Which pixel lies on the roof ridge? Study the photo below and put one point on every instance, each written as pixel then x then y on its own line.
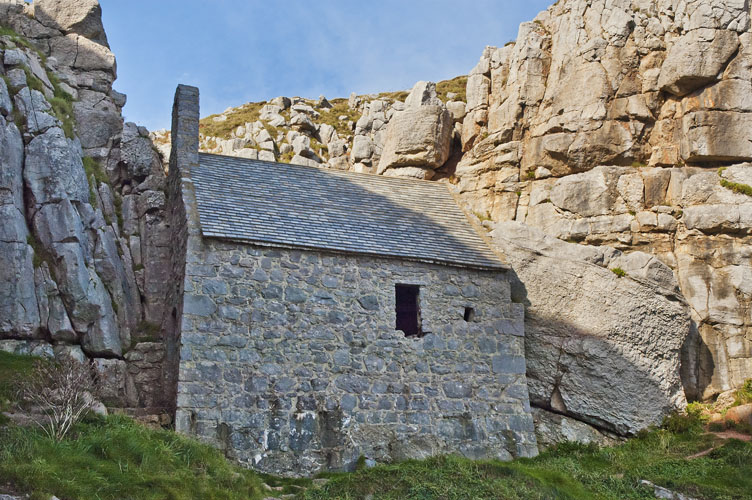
pixel 329 170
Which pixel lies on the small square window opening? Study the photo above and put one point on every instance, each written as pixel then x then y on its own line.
pixel 469 314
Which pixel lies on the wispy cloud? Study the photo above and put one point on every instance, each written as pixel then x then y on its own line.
pixel 239 51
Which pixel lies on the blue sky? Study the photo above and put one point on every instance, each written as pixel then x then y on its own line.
pixel 240 51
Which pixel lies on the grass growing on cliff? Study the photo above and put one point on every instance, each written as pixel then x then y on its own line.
pixel 736 187
pixel 340 107
pixel 458 85
pixel 94 174
pixel 248 113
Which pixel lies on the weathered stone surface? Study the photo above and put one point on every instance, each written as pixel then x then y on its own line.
pixel 417 137
pixel 118 386
pixel 136 153
pixel 716 136
pixel 19 314
pixel 83 17
pixel 96 127
pixel 552 428
pixel 608 355
pixel 697 59
pixel 320 397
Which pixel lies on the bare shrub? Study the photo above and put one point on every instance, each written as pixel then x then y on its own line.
pixel 62 390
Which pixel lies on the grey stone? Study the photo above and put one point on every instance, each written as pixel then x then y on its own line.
pixel 83 17
pixel 638 325
pixel 199 305
pixel 53 170
pixel 6 105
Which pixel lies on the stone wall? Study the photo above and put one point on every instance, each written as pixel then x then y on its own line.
pixel 290 360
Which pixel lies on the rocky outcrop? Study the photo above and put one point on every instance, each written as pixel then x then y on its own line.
pixel 418 139
pixel 605 123
pixel 84 245
pixel 603 329
pixel 415 132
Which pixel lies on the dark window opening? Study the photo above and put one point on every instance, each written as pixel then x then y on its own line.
pixel 469 314
pixel 408 309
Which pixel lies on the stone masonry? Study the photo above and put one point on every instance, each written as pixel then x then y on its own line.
pixel 290 360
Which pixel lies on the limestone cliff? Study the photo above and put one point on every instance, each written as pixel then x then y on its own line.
pixel 626 123
pixel 83 246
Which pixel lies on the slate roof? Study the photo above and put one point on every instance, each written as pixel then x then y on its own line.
pixel 292 205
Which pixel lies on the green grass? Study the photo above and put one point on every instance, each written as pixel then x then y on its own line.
pixel 398 95
pixel 18 39
pixel 458 85
pixel 61 102
pixel 737 187
pixel 569 471
pixel 95 174
pixel 13 371
pixel 483 216
pixel 117 458
pixel 744 394
pixel 248 113
pixel 619 272
pixel 41 254
pixel 340 107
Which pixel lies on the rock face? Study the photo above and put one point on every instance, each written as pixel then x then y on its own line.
pixel 418 139
pixel 83 246
pixel 601 348
pixel 606 123
pixel 83 17
pixel 422 128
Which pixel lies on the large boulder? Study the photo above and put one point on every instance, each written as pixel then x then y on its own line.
pixel 83 17
pixel 418 139
pixel 601 348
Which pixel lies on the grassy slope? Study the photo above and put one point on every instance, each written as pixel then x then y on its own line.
pixel 116 458
pixel 568 472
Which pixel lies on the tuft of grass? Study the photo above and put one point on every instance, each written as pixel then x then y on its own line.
pixel 41 254
pixel 95 174
pixel 482 216
pixel 18 39
pixel 744 394
pixel 148 331
pixel 737 187
pixel 399 95
pixel 286 157
pixel 458 85
pixel 530 174
pixel 638 164
pixel 619 272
